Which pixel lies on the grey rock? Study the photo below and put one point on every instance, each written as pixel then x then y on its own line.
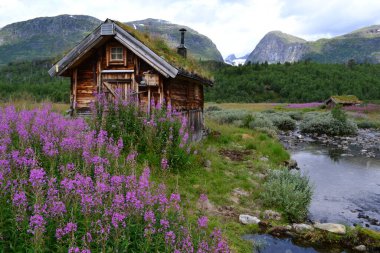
pixel 248 219
pixel 299 228
pixel 331 227
pixel 361 248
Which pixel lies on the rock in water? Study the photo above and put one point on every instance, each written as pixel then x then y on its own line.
pixel 248 219
pixel 331 227
pixel 299 228
pixel 361 248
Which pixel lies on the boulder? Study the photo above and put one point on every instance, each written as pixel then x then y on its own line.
pixel 361 248
pixel 248 219
pixel 299 228
pixel 331 227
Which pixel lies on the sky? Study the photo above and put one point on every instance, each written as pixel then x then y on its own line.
pixel 234 26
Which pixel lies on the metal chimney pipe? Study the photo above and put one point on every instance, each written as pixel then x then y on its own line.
pixel 183 30
pixel 182 50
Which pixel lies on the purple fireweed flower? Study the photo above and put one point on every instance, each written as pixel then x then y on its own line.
pixel 118 218
pixel 144 179
pixel 57 208
pixel 132 156
pixel 37 177
pixel 69 228
pixel 164 163
pixel 149 217
pixel 19 199
pixel 203 247
pixel 170 238
pixel 202 222
pixel 203 198
pixel 164 224
pixel 175 199
pixel 36 223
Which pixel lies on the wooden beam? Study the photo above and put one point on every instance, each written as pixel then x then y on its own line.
pixel 75 73
pixel 108 86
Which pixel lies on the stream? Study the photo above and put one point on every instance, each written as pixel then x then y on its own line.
pixel 345 173
pixel 346 188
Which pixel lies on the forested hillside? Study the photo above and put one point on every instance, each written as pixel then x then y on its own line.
pixel 297 82
pixel 30 80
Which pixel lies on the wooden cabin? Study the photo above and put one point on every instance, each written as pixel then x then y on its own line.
pixel 117 57
pixel 347 100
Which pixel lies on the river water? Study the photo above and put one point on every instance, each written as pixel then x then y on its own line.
pixel 346 187
pixel 346 191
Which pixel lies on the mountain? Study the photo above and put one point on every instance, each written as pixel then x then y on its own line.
pixel 51 37
pixel 42 38
pixel 235 61
pixel 198 45
pixel 362 45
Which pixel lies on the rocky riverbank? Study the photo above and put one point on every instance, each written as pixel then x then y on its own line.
pixel 365 143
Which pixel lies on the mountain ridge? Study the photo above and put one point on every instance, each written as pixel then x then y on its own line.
pixel 50 37
pixel 361 45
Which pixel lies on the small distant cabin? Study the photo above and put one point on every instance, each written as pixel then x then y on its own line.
pixel 342 100
pixel 116 57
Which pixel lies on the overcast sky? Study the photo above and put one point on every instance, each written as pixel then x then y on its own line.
pixel 234 26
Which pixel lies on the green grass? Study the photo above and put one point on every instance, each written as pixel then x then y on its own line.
pixel 225 175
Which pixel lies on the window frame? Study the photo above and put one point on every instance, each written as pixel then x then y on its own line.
pixel 117 53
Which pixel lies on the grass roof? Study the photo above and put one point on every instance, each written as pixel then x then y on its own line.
pixel 347 99
pixel 162 49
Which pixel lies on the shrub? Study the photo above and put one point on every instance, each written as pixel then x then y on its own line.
pixel 261 121
pixel 213 108
pixel 368 124
pixel 296 115
pixel 227 116
pixel 283 121
pixel 288 192
pixel 325 123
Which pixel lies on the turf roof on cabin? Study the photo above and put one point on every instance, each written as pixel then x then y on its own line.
pixel 350 99
pixel 161 48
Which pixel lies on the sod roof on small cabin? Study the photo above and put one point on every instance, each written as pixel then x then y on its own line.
pixel 188 65
pixel 348 99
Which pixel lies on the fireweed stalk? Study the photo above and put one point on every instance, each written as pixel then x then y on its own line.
pixel 69 187
pixel 160 136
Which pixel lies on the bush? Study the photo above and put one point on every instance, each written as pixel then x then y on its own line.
pixel 213 108
pixel 261 121
pixel 368 124
pixel 326 123
pixel 283 121
pixel 288 192
pixel 296 115
pixel 227 116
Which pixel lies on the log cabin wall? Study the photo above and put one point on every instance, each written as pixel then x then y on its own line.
pixel 129 75
pixel 101 73
pixel 84 84
pixel 186 95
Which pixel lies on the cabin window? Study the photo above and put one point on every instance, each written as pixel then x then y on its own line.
pixel 116 54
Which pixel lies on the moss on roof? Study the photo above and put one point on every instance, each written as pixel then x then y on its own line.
pixel 347 99
pixel 161 48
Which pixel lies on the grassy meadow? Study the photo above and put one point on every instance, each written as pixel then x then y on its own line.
pixel 226 174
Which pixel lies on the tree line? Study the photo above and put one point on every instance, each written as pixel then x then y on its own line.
pixel 294 82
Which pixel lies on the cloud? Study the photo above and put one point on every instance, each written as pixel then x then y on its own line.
pixel 235 26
